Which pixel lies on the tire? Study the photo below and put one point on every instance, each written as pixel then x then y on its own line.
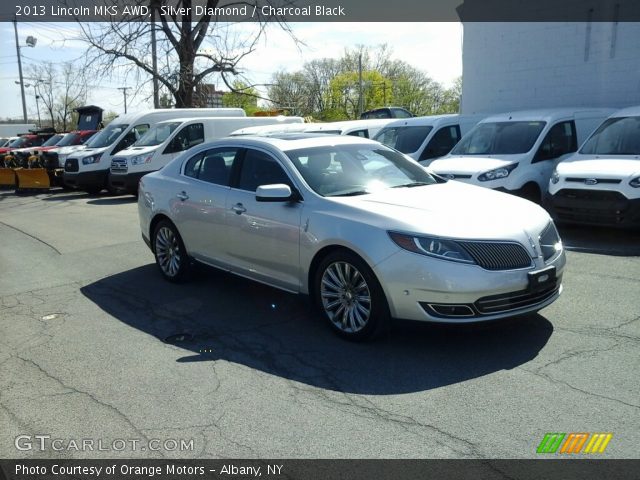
pixel 350 298
pixel 531 192
pixel 171 255
pixel 93 190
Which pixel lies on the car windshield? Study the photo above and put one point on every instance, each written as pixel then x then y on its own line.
pixel 157 134
pixel 18 142
pixel 499 138
pixel 403 138
pixel 107 136
pixel 616 136
pixel 346 170
pixel 53 141
pixel 69 139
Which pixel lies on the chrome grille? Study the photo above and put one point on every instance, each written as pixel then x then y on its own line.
pixel 71 165
pixel 498 255
pixel 119 165
pixel 515 300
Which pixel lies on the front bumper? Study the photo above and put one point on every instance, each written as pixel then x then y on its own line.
pixel 126 182
pixel 86 180
pixel 593 207
pixel 425 289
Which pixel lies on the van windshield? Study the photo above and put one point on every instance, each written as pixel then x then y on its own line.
pixel 157 134
pixel 107 136
pixel 52 141
pixel 616 136
pixel 403 138
pixel 499 138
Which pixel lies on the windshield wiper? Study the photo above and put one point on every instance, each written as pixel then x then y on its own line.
pixel 350 194
pixel 412 184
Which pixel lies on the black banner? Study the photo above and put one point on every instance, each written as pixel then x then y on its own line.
pixel 543 469
pixel 324 10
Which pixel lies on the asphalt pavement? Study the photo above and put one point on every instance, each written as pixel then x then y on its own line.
pixel 97 349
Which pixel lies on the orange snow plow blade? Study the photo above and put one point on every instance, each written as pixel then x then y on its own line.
pixel 7 178
pixel 32 179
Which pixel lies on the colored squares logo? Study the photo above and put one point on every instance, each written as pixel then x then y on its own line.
pixel 574 443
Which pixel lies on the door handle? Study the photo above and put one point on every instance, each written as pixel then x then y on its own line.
pixel 239 208
pixel 182 195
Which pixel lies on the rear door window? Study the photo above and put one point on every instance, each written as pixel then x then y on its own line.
pixel 441 143
pixel 559 140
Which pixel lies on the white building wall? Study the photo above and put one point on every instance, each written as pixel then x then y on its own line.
pixel 516 66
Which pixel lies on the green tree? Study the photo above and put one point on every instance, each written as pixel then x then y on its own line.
pixel 241 96
pixel 344 92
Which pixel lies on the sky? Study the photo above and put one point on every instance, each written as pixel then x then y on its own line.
pixel 434 48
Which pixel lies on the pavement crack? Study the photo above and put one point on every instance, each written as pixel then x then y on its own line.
pixel 580 390
pixel 88 394
pixel 32 236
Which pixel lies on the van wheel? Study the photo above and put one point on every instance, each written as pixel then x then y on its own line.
pixel 350 297
pixel 171 255
pixel 531 192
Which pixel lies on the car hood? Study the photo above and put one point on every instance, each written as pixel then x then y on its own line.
pixel 87 152
pixel 470 164
pixel 70 148
pixel 451 209
pixel 600 166
pixel 134 151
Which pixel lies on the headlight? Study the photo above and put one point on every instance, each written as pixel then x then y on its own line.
pixel 431 246
pixel 635 182
pixel 140 159
pixel 91 159
pixel 555 178
pixel 497 173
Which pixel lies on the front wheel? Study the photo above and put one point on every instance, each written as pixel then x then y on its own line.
pixel 171 255
pixel 350 297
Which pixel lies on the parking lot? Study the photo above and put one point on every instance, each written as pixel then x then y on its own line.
pixel 94 344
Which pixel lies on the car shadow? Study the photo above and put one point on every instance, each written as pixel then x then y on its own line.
pixel 113 200
pixel 218 316
pixel 601 240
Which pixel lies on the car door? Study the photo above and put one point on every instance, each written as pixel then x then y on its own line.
pixel 187 137
pixel 559 142
pixel 200 211
pixel 264 237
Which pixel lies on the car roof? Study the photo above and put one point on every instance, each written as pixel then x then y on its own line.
pixel 295 141
pixel 543 114
pixel 420 121
pixel 627 112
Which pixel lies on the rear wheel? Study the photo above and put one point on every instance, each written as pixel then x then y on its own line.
pixel 171 255
pixel 350 297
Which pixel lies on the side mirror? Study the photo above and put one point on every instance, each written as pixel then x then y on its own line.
pixel 278 192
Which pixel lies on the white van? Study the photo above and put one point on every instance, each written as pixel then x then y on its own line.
pixel 600 184
pixel 517 152
pixel 166 139
pixel 88 169
pixel 426 138
pixel 358 128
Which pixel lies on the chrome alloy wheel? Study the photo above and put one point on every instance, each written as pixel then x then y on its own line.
pixel 168 251
pixel 346 298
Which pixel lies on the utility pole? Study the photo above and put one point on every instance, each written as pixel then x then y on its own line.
pixel 154 58
pixel 24 103
pixel 124 92
pixel 360 98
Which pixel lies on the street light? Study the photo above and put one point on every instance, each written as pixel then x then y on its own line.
pixel 35 92
pixel 31 42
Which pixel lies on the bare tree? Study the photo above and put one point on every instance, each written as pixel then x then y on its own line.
pixel 60 89
pixel 191 48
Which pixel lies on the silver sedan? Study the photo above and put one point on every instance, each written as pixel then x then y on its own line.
pixel 366 232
